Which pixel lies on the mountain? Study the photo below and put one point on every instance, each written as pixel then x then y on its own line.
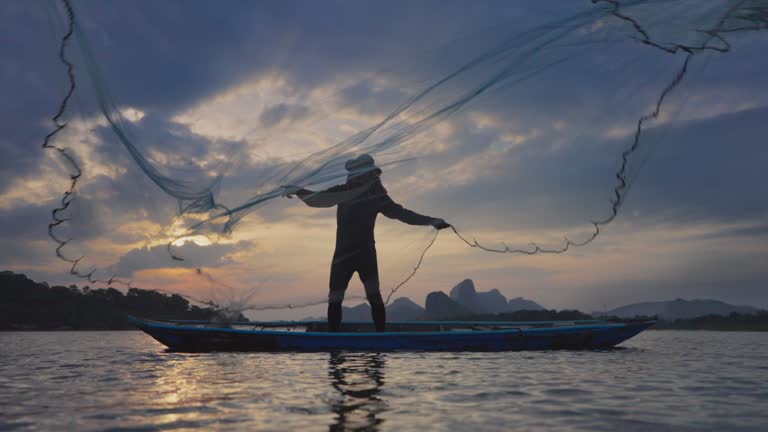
pixel 439 306
pixel 488 302
pixel 519 303
pixel 466 295
pixel 361 312
pixel 679 309
pixel 464 301
pixel 403 309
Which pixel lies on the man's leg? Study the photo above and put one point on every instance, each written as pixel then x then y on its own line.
pixel 368 270
pixel 378 311
pixel 342 269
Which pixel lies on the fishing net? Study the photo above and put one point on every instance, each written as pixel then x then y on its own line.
pixel 536 131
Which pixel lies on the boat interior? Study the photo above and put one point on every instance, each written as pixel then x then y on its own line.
pixel 368 327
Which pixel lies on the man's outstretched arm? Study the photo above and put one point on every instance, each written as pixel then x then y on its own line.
pixel 394 210
pixel 327 198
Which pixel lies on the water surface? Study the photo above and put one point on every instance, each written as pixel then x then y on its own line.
pixel 660 380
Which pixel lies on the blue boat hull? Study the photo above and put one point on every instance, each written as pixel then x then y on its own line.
pixel 194 338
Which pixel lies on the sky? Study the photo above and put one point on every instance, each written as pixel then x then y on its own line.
pixel 241 88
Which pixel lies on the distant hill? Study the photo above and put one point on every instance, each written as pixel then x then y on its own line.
pixel 678 309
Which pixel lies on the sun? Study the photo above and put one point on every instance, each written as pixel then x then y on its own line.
pixel 199 240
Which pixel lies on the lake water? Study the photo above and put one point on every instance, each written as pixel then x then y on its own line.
pixel 660 380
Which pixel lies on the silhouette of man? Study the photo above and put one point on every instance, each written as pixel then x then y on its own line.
pixel 358 202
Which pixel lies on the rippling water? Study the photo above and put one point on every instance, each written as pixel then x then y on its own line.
pixel 660 380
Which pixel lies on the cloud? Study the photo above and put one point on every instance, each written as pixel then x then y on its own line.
pixel 282 113
pixel 153 43
pixel 247 86
pixel 31 84
pixel 25 222
pixel 682 175
pixel 372 98
pixel 194 255
pixel 757 230
pixel 27 254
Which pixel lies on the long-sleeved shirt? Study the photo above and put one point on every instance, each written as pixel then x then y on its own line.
pixel 358 204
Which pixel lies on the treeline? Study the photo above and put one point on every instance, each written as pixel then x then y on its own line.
pixel 733 322
pixel 29 305
pixel 529 315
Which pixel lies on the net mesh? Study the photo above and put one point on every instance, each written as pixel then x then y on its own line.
pixel 439 104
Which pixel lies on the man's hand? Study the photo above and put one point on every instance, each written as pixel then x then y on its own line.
pixel 290 190
pixel 439 223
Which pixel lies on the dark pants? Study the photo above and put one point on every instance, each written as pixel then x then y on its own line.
pixel 364 262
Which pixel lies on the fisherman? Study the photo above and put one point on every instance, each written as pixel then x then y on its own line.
pixel 359 201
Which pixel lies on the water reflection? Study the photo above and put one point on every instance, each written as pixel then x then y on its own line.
pixel 358 377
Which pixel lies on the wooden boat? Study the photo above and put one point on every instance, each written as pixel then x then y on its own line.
pixel 203 336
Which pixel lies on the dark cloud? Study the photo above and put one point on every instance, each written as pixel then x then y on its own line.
pixel 24 240
pixel 282 113
pixel 25 222
pixel 156 135
pixel 26 253
pixel 702 170
pixel 171 54
pixel 706 170
pixel 31 85
pixel 372 99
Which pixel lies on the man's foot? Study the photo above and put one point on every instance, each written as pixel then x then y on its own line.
pixel 334 317
pixel 379 315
